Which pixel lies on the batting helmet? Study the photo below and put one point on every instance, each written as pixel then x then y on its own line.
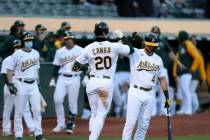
pixel 16 43
pixel 101 28
pixel 68 35
pixel 150 39
pixel 27 36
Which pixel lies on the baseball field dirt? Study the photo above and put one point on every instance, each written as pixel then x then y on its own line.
pixel 184 128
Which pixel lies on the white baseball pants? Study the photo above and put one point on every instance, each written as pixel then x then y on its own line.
pixel 140 105
pixel 195 102
pixel 120 77
pixel 9 101
pixel 66 86
pixel 184 84
pixel 27 92
pixel 98 110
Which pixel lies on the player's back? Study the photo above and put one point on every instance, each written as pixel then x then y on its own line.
pixel 102 57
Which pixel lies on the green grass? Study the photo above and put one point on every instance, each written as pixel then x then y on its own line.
pixel 206 137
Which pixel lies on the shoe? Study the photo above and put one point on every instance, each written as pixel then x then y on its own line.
pixel 6 134
pixel 58 128
pixel 39 137
pixel 31 134
pixel 18 138
pixel 70 128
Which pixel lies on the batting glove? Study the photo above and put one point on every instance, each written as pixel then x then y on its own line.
pixel 135 36
pixel 167 103
pixel 52 83
pixel 12 89
pixel 118 34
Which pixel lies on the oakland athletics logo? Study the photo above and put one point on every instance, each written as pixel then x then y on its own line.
pixel 148 66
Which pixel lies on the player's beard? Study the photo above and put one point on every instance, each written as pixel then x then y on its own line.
pixel 149 50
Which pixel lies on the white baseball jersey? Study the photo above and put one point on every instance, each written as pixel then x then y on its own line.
pixel 102 57
pixel 25 64
pixel 65 58
pixel 145 69
pixel 5 64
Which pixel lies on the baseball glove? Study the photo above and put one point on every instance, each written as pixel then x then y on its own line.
pixel 12 89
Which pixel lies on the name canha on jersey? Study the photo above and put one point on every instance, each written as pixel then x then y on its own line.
pixel 102 57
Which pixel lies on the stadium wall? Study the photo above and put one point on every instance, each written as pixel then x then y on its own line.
pixel 125 24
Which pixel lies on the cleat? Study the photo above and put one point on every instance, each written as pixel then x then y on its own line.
pixel 58 128
pixel 6 134
pixel 70 128
pixel 39 137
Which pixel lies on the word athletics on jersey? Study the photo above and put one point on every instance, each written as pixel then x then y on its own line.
pixel 28 63
pixel 67 59
pixel 148 66
pixel 102 50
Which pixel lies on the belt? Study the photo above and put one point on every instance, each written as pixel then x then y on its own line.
pixel 27 81
pixel 105 77
pixel 69 75
pixel 142 88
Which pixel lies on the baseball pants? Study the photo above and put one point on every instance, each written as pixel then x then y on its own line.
pixel 99 106
pixel 27 92
pixel 9 101
pixel 120 77
pixel 184 85
pixel 140 105
pixel 195 102
pixel 66 86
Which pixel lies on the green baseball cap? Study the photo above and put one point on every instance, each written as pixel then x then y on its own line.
pixel 19 23
pixel 40 26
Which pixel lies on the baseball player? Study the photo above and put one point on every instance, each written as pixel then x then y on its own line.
pixel 199 75
pixel 68 83
pixel 25 65
pixel 146 69
pixel 101 56
pixel 190 57
pixel 9 99
pixel 167 55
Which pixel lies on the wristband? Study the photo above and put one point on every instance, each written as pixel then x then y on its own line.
pixel 166 94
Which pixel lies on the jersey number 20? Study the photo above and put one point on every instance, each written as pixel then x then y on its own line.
pixel 103 62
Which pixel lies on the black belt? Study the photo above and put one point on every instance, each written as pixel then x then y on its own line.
pixel 142 88
pixel 27 81
pixel 69 75
pixel 105 77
